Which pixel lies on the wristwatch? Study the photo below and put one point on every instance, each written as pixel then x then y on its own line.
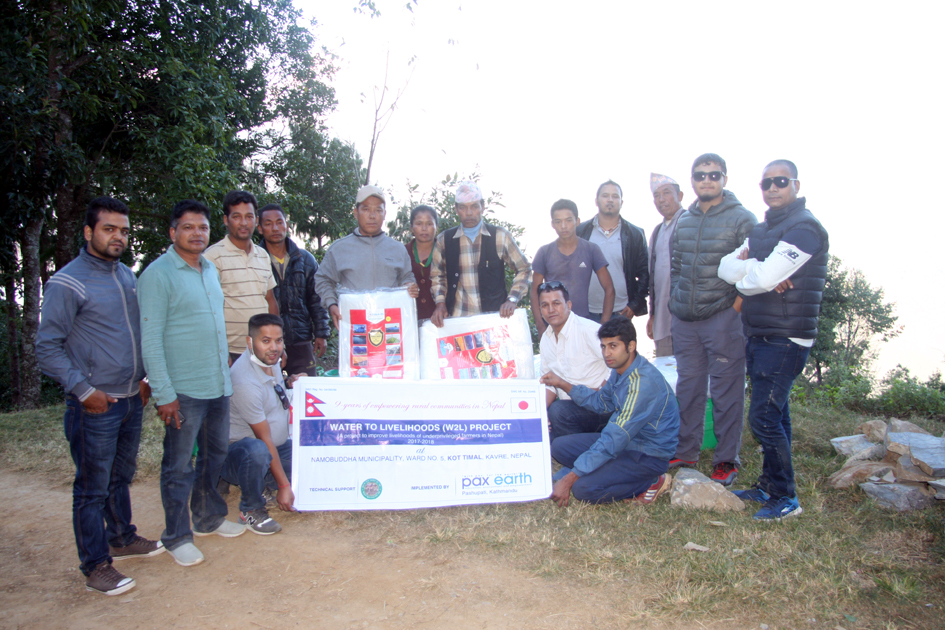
pixel 513 300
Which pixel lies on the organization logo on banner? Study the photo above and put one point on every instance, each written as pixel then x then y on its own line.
pixel 371 489
pixel 524 405
pixel 311 410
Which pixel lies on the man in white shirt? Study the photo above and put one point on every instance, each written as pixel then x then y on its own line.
pixel 571 349
pixel 781 271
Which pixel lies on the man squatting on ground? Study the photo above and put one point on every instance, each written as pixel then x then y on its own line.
pixel 570 348
pixel 667 198
pixel 630 457
pixel 260 452
pixel 463 281
pixel 305 319
pixel 365 260
pixel 183 341
pixel 572 261
pixel 89 341
pixel 707 330
pixel 624 247
pixel 781 270
pixel 245 271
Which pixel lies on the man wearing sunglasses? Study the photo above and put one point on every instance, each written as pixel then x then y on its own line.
pixel 781 269
pixel 707 330
pixel 259 456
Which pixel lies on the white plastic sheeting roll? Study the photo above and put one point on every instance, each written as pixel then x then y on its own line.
pixel 477 347
pixel 378 335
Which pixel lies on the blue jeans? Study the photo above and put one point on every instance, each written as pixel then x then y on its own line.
pixel 104 447
pixel 207 422
pixel 773 363
pixel 247 466
pixel 624 477
pixel 567 417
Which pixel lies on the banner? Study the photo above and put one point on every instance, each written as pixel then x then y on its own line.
pixel 382 445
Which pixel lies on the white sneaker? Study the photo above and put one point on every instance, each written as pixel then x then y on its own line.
pixel 227 529
pixel 186 555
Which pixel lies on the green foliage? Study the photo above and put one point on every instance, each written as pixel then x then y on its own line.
pixel 903 395
pixel 854 315
pixel 440 198
pixel 315 180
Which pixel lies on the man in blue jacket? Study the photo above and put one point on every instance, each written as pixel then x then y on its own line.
pixel 781 270
pixel 89 341
pixel 630 457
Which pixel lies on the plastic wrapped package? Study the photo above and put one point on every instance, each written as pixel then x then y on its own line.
pixel 476 347
pixel 378 334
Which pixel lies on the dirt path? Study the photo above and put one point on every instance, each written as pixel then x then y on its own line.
pixel 313 574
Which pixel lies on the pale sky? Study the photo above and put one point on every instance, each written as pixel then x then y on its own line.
pixel 549 99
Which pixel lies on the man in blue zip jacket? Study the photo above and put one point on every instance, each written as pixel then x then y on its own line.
pixel 89 341
pixel 781 270
pixel 629 459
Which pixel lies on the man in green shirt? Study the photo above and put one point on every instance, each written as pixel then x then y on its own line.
pixel 184 347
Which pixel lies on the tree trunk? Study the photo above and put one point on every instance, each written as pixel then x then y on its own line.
pixel 30 379
pixel 68 222
pixel 13 342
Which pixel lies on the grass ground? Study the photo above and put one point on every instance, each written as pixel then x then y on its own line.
pixel 844 562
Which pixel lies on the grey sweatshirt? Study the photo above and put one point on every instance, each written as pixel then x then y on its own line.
pixel 362 263
pixel 90 335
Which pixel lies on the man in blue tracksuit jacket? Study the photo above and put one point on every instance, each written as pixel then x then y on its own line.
pixel 630 457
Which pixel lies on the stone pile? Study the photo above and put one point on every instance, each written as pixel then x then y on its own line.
pixel 902 466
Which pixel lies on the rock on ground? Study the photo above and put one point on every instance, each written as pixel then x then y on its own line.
pixel 904 426
pixel 692 489
pixel 939 487
pixel 856 472
pixel 874 430
pixel 900 497
pixel 851 444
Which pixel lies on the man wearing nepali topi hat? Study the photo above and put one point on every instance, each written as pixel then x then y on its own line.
pixel 468 272
pixel 667 198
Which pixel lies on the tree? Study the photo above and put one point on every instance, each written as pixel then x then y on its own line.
pixel 316 181
pixel 151 102
pixel 854 316
pixel 440 198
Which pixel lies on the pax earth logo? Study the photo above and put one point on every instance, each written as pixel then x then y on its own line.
pixel 371 489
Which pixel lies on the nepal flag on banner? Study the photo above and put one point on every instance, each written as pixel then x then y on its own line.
pixel 311 410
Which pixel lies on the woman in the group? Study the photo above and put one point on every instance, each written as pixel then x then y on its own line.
pixel 423 224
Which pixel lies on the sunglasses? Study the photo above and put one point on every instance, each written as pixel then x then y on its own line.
pixel 780 182
pixel 715 176
pixel 282 397
pixel 555 285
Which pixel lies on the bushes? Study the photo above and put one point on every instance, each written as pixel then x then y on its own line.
pixel 898 394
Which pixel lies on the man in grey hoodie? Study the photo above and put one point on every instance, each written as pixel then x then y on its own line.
pixel 365 260
pixel 707 329
pixel 89 341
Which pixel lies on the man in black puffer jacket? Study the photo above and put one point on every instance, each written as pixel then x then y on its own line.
pixel 781 270
pixel 306 320
pixel 707 330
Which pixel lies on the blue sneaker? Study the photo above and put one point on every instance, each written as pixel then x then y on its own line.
pixel 778 509
pixel 754 493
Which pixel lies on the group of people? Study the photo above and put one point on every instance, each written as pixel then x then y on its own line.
pixel 221 332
